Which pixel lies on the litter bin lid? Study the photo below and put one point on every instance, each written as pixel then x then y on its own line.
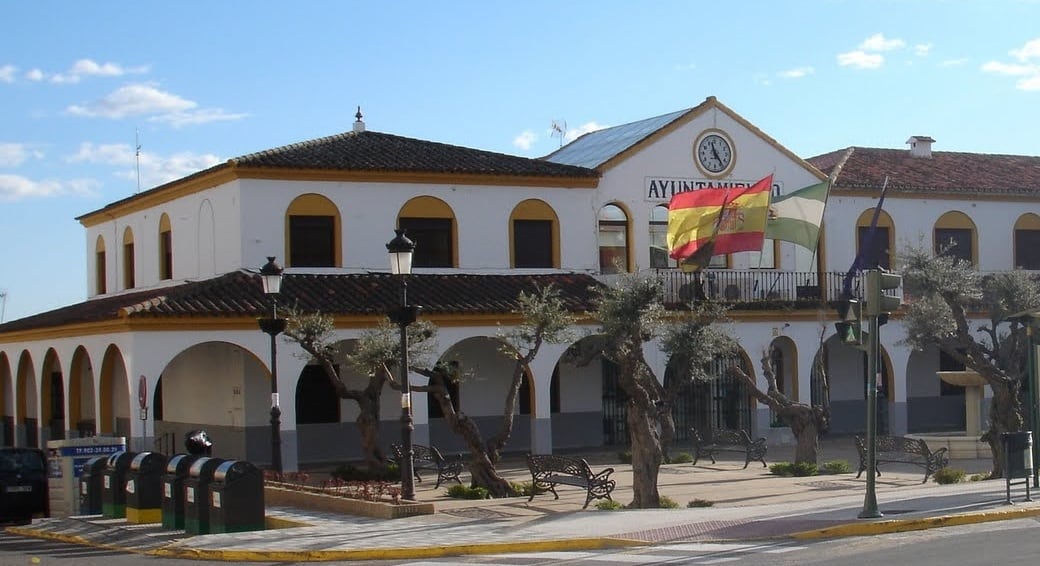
pixel 148 462
pixel 204 466
pixel 233 470
pixel 180 464
pixel 120 460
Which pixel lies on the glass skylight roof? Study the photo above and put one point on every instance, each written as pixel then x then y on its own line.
pixel 595 148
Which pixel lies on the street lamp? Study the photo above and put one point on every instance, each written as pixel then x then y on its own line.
pixel 401 249
pixel 271 275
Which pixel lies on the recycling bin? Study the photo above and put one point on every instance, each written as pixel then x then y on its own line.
pixel 144 488
pixel 113 485
pixel 173 490
pixel 90 485
pixel 196 494
pixel 1018 453
pixel 236 498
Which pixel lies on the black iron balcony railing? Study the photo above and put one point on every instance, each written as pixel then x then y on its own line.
pixel 756 288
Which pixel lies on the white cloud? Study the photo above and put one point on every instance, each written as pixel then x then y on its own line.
pixel 155 169
pixel 954 62
pixel 14 154
pixel 16 187
pixel 860 60
pixel 797 72
pixel 1027 67
pixel 877 42
pixel 923 49
pixel 147 100
pixel 35 75
pixel 7 73
pixel 90 68
pixel 201 116
pixel 572 135
pixel 525 140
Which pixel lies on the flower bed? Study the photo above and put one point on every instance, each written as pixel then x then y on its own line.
pixel 368 499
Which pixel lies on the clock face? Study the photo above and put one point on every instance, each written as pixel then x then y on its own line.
pixel 714 154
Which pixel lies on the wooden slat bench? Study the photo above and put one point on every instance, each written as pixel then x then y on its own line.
pixel 899 449
pixel 549 470
pixel 726 440
pixel 429 458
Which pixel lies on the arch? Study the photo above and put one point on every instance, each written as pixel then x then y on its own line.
pixel 614 235
pixel 7 405
pixel 313 232
pixel 129 267
pixel 52 397
pixel 1027 242
pixel 784 364
pixel 165 248
pixel 720 402
pixel 534 235
pixel 955 235
pixel 659 238
pixel 431 224
pixel 100 267
pixel 884 243
pixel 114 395
pixel 27 403
pixel 82 405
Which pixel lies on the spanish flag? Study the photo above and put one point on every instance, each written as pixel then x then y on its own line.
pixel 731 220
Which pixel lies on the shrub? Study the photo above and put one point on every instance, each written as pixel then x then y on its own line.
pixel 608 505
pixel 349 472
pixel 837 467
pixel 979 477
pixel 523 488
pixel 700 503
pixel 948 475
pixel 668 503
pixel 467 492
pixel 681 458
pixel 798 469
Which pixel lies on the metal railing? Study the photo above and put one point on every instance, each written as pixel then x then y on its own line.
pixel 755 286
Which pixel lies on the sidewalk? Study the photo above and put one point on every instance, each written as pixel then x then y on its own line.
pixel 749 504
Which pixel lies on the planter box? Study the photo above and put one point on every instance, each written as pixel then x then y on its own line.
pixel 278 496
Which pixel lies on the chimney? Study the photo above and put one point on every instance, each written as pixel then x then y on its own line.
pixel 359 126
pixel 920 146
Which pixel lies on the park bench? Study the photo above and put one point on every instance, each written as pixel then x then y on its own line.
pixel 429 458
pixel 726 440
pixel 899 449
pixel 549 470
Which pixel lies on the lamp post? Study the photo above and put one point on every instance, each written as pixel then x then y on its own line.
pixel 401 249
pixel 271 275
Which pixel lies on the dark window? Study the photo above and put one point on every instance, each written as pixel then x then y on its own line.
pixel 102 278
pixel 433 242
pixel 166 255
pixel 532 243
pixel 554 391
pixel 128 266
pixel 434 407
pixel 953 242
pixel 523 396
pixel 878 254
pixel 57 397
pixel 948 363
pixel 157 401
pixel 1027 249
pixel 316 398
pixel 312 241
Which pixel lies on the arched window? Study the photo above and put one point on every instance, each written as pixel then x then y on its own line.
pixel 430 223
pixel 534 231
pixel 434 407
pixel 313 226
pixel 882 242
pixel 100 267
pixel 1027 242
pixel 955 237
pixel 659 238
pixel 613 239
pixel 165 249
pixel 316 398
pixel 128 258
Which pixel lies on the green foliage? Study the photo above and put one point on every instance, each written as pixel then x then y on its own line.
pixel 522 489
pixel 798 469
pixel 700 503
pixel 979 477
pixel 467 492
pixel 681 458
pixel 668 503
pixel 625 456
pixel 948 475
pixel 710 341
pixel 545 319
pixel 836 467
pixel 351 473
pixel 609 505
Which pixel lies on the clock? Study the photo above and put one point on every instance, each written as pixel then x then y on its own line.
pixel 713 153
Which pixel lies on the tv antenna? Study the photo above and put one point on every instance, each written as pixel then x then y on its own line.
pixel 559 129
pixel 137 156
pixel 3 305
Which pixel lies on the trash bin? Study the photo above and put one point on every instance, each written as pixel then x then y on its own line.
pixel 113 485
pixel 236 498
pixel 173 490
pixel 1018 453
pixel 144 488
pixel 90 485
pixel 196 495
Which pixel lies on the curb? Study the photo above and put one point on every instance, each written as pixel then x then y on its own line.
pixel 905 525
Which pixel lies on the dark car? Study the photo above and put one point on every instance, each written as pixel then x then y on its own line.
pixel 23 484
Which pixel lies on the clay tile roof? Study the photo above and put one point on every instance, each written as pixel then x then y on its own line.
pixel 945 172
pixel 240 293
pixel 374 151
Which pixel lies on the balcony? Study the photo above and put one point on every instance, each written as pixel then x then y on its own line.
pixel 754 289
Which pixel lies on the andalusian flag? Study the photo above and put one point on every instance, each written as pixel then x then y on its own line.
pixel 797 217
pixel 731 220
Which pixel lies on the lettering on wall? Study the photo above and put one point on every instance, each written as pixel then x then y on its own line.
pixel 662 189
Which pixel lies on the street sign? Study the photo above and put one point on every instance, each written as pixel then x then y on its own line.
pixel 142 392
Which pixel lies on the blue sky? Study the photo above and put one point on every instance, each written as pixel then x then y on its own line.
pixel 195 83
